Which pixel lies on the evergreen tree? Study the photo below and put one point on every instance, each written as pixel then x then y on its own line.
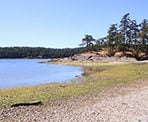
pixel 100 43
pixel 88 40
pixel 134 31
pixel 144 34
pixel 125 30
pixel 112 38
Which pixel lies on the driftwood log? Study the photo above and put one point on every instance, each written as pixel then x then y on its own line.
pixel 27 104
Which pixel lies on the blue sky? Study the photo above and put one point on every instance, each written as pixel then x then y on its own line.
pixel 62 23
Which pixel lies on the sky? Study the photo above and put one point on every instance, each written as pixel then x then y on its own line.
pixel 62 23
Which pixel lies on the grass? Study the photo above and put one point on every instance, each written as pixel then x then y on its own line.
pixel 97 76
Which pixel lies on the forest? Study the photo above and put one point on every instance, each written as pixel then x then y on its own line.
pixel 128 35
pixel 37 52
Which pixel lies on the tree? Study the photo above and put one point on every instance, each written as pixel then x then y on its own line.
pixel 125 29
pixel 87 40
pixel 134 35
pixel 144 32
pixel 112 37
pixel 118 43
pixel 134 28
pixel 100 43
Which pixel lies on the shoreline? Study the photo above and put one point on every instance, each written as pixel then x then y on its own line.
pixel 99 106
pixel 85 99
pixel 96 76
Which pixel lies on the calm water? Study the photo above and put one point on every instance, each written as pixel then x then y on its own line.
pixel 24 72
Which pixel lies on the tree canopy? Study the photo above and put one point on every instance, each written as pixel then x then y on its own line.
pixel 125 36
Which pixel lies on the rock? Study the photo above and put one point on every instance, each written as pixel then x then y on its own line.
pixel 124 54
pixel 119 54
pixel 128 54
pixel 142 55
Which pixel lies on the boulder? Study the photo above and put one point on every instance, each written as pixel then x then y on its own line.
pixel 119 54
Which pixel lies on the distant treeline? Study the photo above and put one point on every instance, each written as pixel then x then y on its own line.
pixel 37 52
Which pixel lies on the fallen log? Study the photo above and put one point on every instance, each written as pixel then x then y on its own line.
pixel 27 104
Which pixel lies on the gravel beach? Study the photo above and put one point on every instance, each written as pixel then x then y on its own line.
pixel 126 103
